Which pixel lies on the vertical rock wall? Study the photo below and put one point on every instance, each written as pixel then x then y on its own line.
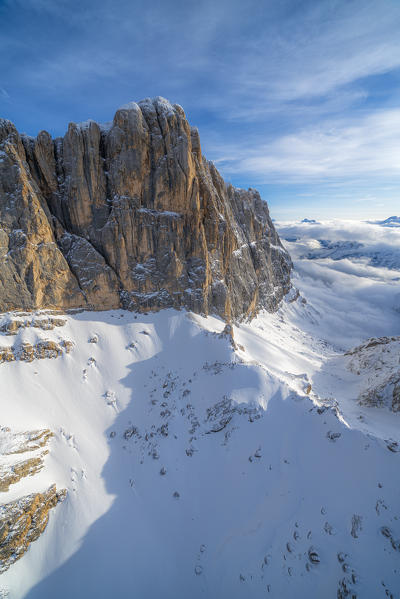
pixel 131 215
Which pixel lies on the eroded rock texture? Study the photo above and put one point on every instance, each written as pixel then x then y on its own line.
pixel 377 360
pixel 12 468
pixel 131 215
pixel 26 352
pixel 23 521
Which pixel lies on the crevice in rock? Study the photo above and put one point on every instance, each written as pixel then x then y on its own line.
pixel 193 262
pixel 165 147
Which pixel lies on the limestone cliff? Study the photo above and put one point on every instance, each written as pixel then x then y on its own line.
pixel 131 215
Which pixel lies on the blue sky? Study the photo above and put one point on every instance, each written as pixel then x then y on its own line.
pixel 300 99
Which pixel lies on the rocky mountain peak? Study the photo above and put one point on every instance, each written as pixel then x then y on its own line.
pixel 131 215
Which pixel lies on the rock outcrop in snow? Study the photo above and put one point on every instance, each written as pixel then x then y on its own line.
pixel 13 469
pixel 377 360
pixel 26 352
pixel 23 520
pixel 11 326
pixel 131 215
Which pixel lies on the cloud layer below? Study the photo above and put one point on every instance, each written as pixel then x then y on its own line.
pixel 350 268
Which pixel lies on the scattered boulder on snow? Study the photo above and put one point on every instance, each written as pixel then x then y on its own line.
pixel 313 556
pixel 345 590
pixel 387 533
pixel 129 432
pixel 219 416
pixel 328 528
pixel 333 436
pixel 392 446
pixel 356 526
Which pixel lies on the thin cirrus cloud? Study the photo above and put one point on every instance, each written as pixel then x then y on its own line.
pixel 289 55
pixel 294 92
pixel 332 150
pixel 311 58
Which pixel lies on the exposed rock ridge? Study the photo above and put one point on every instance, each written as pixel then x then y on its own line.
pixel 11 444
pixel 131 215
pixel 26 352
pixel 23 520
pixel 11 326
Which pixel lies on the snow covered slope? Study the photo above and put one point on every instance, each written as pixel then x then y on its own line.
pixel 194 469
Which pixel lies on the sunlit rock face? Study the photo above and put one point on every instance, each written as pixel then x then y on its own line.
pixel 24 519
pixel 131 215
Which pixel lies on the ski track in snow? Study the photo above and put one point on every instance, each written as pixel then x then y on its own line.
pixel 194 470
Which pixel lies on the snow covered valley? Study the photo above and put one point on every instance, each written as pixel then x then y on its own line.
pixel 197 465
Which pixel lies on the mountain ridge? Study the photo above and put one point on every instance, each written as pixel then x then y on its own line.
pixel 132 215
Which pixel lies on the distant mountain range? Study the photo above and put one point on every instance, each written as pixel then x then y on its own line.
pixel 392 221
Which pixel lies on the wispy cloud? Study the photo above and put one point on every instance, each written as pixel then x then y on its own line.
pixel 281 91
pixel 251 66
pixel 317 58
pixel 368 146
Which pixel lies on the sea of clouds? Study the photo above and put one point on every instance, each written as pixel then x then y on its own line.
pixel 350 272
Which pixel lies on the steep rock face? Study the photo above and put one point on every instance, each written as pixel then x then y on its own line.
pixel 131 215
